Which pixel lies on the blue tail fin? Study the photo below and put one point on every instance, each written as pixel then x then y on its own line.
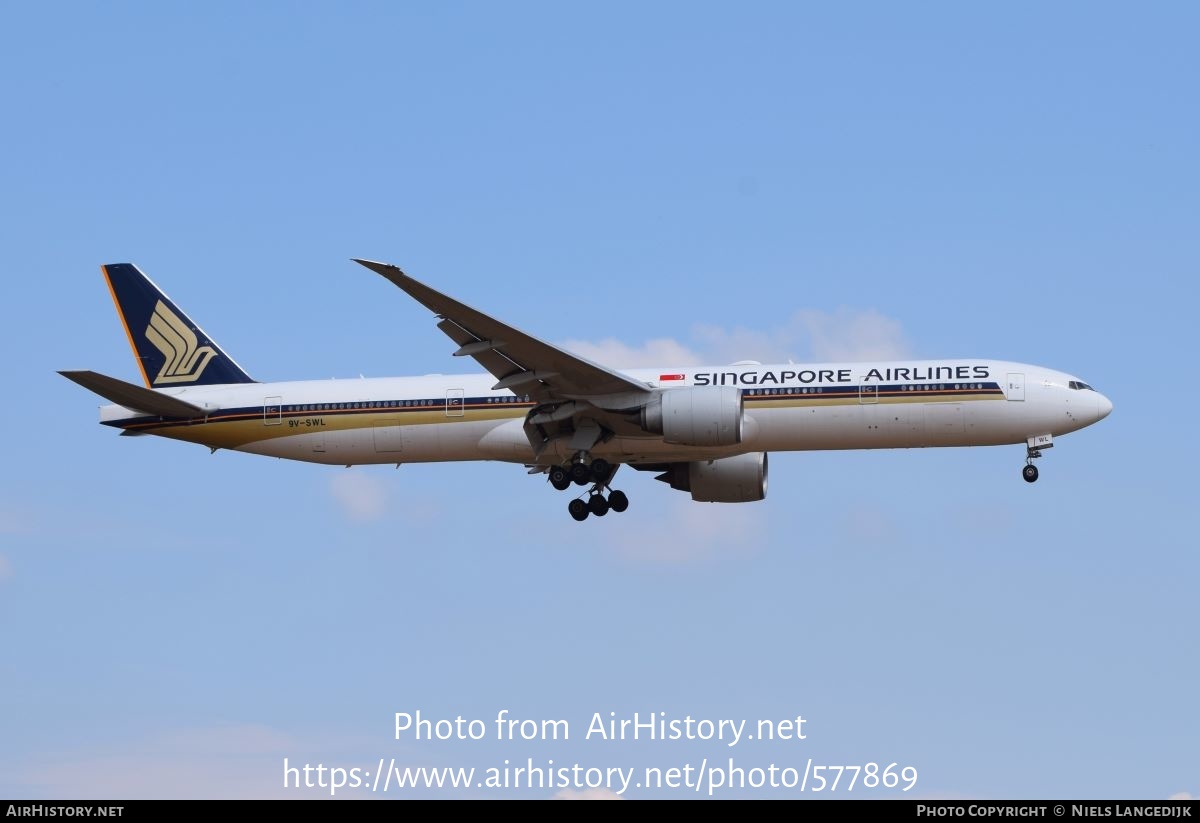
pixel 170 349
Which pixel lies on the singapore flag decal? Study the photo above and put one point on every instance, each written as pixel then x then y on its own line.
pixel 665 377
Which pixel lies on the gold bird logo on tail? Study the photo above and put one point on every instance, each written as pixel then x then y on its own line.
pixel 184 359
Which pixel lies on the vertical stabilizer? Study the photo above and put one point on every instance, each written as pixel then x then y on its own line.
pixel 170 349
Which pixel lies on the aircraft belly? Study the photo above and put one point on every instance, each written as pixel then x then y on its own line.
pixel 894 425
pixel 818 427
pixel 506 441
pixel 309 447
pixel 654 450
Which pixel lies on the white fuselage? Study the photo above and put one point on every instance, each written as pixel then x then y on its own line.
pixel 790 407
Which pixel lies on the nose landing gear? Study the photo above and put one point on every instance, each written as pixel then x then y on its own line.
pixel 1033 450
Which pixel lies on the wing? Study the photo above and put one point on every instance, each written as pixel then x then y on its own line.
pixel 517 360
pixel 578 402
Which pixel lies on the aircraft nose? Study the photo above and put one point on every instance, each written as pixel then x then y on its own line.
pixel 1103 406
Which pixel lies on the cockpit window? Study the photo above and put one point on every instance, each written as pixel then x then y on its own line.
pixel 1079 384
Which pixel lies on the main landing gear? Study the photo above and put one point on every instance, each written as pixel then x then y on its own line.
pixel 599 473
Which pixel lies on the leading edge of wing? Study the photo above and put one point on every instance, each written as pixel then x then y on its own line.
pixel 515 358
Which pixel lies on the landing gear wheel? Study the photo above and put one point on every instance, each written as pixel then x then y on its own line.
pixel 597 505
pixel 580 474
pixel 1030 473
pixel 559 478
pixel 601 468
pixel 618 502
pixel 578 509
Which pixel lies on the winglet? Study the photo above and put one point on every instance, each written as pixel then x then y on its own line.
pixel 374 265
pixel 419 291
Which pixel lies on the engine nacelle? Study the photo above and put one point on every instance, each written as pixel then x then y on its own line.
pixel 739 479
pixel 697 416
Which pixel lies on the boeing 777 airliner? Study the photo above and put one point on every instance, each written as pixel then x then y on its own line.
pixel 706 431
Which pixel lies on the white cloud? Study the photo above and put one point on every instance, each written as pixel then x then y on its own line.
pixel 5 568
pixel 226 762
pixel 731 345
pixel 587 794
pixel 659 352
pixel 1181 796
pixel 360 496
pixel 808 336
pixel 849 334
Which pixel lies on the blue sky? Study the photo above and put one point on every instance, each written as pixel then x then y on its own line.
pixel 1016 182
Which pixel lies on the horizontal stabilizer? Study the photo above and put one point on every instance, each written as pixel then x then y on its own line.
pixel 134 397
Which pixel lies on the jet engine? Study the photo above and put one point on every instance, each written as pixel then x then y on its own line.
pixel 739 479
pixel 696 416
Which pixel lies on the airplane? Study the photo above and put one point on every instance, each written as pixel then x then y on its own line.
pixel 703 430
